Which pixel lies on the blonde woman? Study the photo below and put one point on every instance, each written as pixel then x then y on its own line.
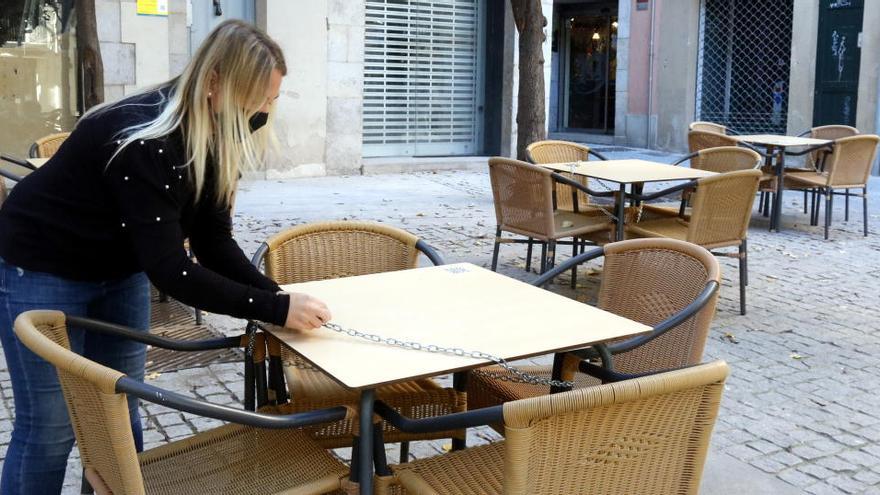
pixel 110 211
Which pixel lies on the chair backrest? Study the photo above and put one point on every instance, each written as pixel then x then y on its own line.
pixel 726 159
pixel 649 280
pixel 700 140
pixel 523 197
pixel 707 126
pixel 98 414
pixel 320 251
pixel 46 146
pixel 550 151
pixel 851 161
pixel 831 132
pixel 722 208
pixel 648 436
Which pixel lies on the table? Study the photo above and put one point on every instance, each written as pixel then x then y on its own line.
pixel 460 305
pixel 771 142
pixel 625 172
pixel 37 162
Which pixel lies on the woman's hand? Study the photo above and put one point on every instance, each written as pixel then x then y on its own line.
pixel 305 312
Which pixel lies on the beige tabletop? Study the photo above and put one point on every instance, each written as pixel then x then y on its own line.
pixel 779 140
pixel 37 162
pixel 630 171
pixel 459 305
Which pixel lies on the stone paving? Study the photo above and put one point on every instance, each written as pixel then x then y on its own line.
pixel 802 402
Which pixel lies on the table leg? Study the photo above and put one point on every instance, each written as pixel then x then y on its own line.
pixel 621 209
pixel 775 223
pixel 365 452
pixel 459 383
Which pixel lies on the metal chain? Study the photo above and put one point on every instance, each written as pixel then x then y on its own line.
pixel 520 375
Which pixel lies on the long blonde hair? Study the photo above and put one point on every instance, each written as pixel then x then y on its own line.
pixel 239 58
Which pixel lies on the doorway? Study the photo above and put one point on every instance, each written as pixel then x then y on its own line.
pixel 207 14
pixel 587 68
pixel 837 62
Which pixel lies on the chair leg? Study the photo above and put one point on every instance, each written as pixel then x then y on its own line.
pixel 818 195
pixel 199 319
pixel 86 487
pixel 865 210
pixel 404 452
pixel 551 254
pixel 805 201
pixel 829 202
pixel 529 254
pixel 496 248
pixel 543 257
pixel 846 207
pixel 743 277
pixel 574 271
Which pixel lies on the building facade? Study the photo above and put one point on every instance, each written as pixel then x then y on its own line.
pixel 385 85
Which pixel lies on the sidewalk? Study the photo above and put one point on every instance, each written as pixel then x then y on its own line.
pixel 801 411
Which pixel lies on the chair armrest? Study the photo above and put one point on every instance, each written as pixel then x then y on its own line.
pixel 597 154
pixel 805 133
pixel 685 158
pixel 568 265
pixel 180 402
pixel 17 161
pixel 454 421
pixel 609 375
pixel 430 252
pixel 664 192
pixel 10 176
pixel 257 258
pixel 105 328
pixel 577 185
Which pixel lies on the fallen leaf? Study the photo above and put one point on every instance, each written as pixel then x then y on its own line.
pixel 731 338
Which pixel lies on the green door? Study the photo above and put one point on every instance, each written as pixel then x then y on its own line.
pixel 837 62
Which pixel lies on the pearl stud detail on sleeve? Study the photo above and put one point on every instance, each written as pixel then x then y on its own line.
pixel 250 299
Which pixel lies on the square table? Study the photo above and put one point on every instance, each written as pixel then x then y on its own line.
pixel 772 142
pixel 625 172
pixel 456 306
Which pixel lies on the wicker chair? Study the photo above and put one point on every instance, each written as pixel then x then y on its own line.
pixel 649 435
pixel 848 167
pixel 46 146
pixel 707 126
pixel 328 250
pixel 722 206
pixel 701 140
pixel 542 152
pixel 233 459
pixel 652 281
pixel 815 160
pixel 523 195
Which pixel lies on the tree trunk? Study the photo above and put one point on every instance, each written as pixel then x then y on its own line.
pixel 89 53
pixel 530 118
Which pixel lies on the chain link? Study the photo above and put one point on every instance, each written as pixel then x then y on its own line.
pixel 520 375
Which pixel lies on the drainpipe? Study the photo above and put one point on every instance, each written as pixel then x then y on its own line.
pixel 650 76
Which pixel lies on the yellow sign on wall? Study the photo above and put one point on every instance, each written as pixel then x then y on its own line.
pixel 152 7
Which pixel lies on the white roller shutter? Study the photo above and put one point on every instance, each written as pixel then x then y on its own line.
pixel 422 78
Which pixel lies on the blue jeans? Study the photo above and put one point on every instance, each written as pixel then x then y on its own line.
pixel 42 436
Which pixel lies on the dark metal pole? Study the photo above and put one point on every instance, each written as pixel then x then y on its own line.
pixel 459 383
pixel 621 208
pixel 365 455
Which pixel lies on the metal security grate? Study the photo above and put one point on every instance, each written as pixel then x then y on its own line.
pixel 744 64
pixel 422 77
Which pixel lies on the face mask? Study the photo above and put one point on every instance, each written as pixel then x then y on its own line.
pixel 258 120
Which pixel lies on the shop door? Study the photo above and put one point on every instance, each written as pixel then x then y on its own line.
pixel 837 62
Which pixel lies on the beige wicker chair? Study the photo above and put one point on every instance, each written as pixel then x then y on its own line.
pixel 700 140
pixel 722 206
pixel 815 161
pixel 543 152
pixel 649 436
pixel 232 459
pixel 707 126
pixel 523 195
pixel 328 250
pixel 645 280
pixel 46 146
pixel 725 159
pixel 848 167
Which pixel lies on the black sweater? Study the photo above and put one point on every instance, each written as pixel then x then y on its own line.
pixel 80 219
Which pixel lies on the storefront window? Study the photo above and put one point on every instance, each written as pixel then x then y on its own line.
pixel 37 71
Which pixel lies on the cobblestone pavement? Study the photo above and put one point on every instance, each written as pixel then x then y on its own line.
pixel 802 402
